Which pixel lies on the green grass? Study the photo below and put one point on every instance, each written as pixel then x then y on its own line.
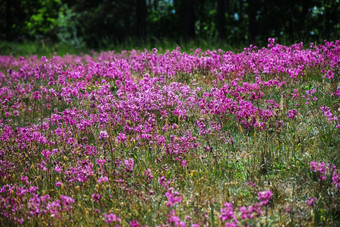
pixel 42 48
pixel 39 48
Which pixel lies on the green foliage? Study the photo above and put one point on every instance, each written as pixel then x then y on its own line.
pixel 43 22
pixel 67 30
pixel 103 23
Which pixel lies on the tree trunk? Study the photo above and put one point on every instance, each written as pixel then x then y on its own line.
pixel 291 21
pixel 221 19
pixel 189 31
pixel 141 19
pixel 252 8
pixel 8 20
pixel 155 4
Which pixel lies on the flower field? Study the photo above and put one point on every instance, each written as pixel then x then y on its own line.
pixel 206 138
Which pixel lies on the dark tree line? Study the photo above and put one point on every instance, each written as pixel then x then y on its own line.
pixel 96 22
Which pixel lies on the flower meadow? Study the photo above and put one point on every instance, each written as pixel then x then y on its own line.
pixel 143 138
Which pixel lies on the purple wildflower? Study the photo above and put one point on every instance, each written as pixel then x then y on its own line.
pixel 111 218
pixel 121 137
pixel 311 201
pixel 265 196
pixel 96 197
pixel 173 197
pixel 336 179
pixel 227 213
pixel 129 164
pixel 103 135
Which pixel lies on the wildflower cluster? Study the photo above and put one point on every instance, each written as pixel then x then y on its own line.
pixel 147 138
pixel 325 170
pixel 246 213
